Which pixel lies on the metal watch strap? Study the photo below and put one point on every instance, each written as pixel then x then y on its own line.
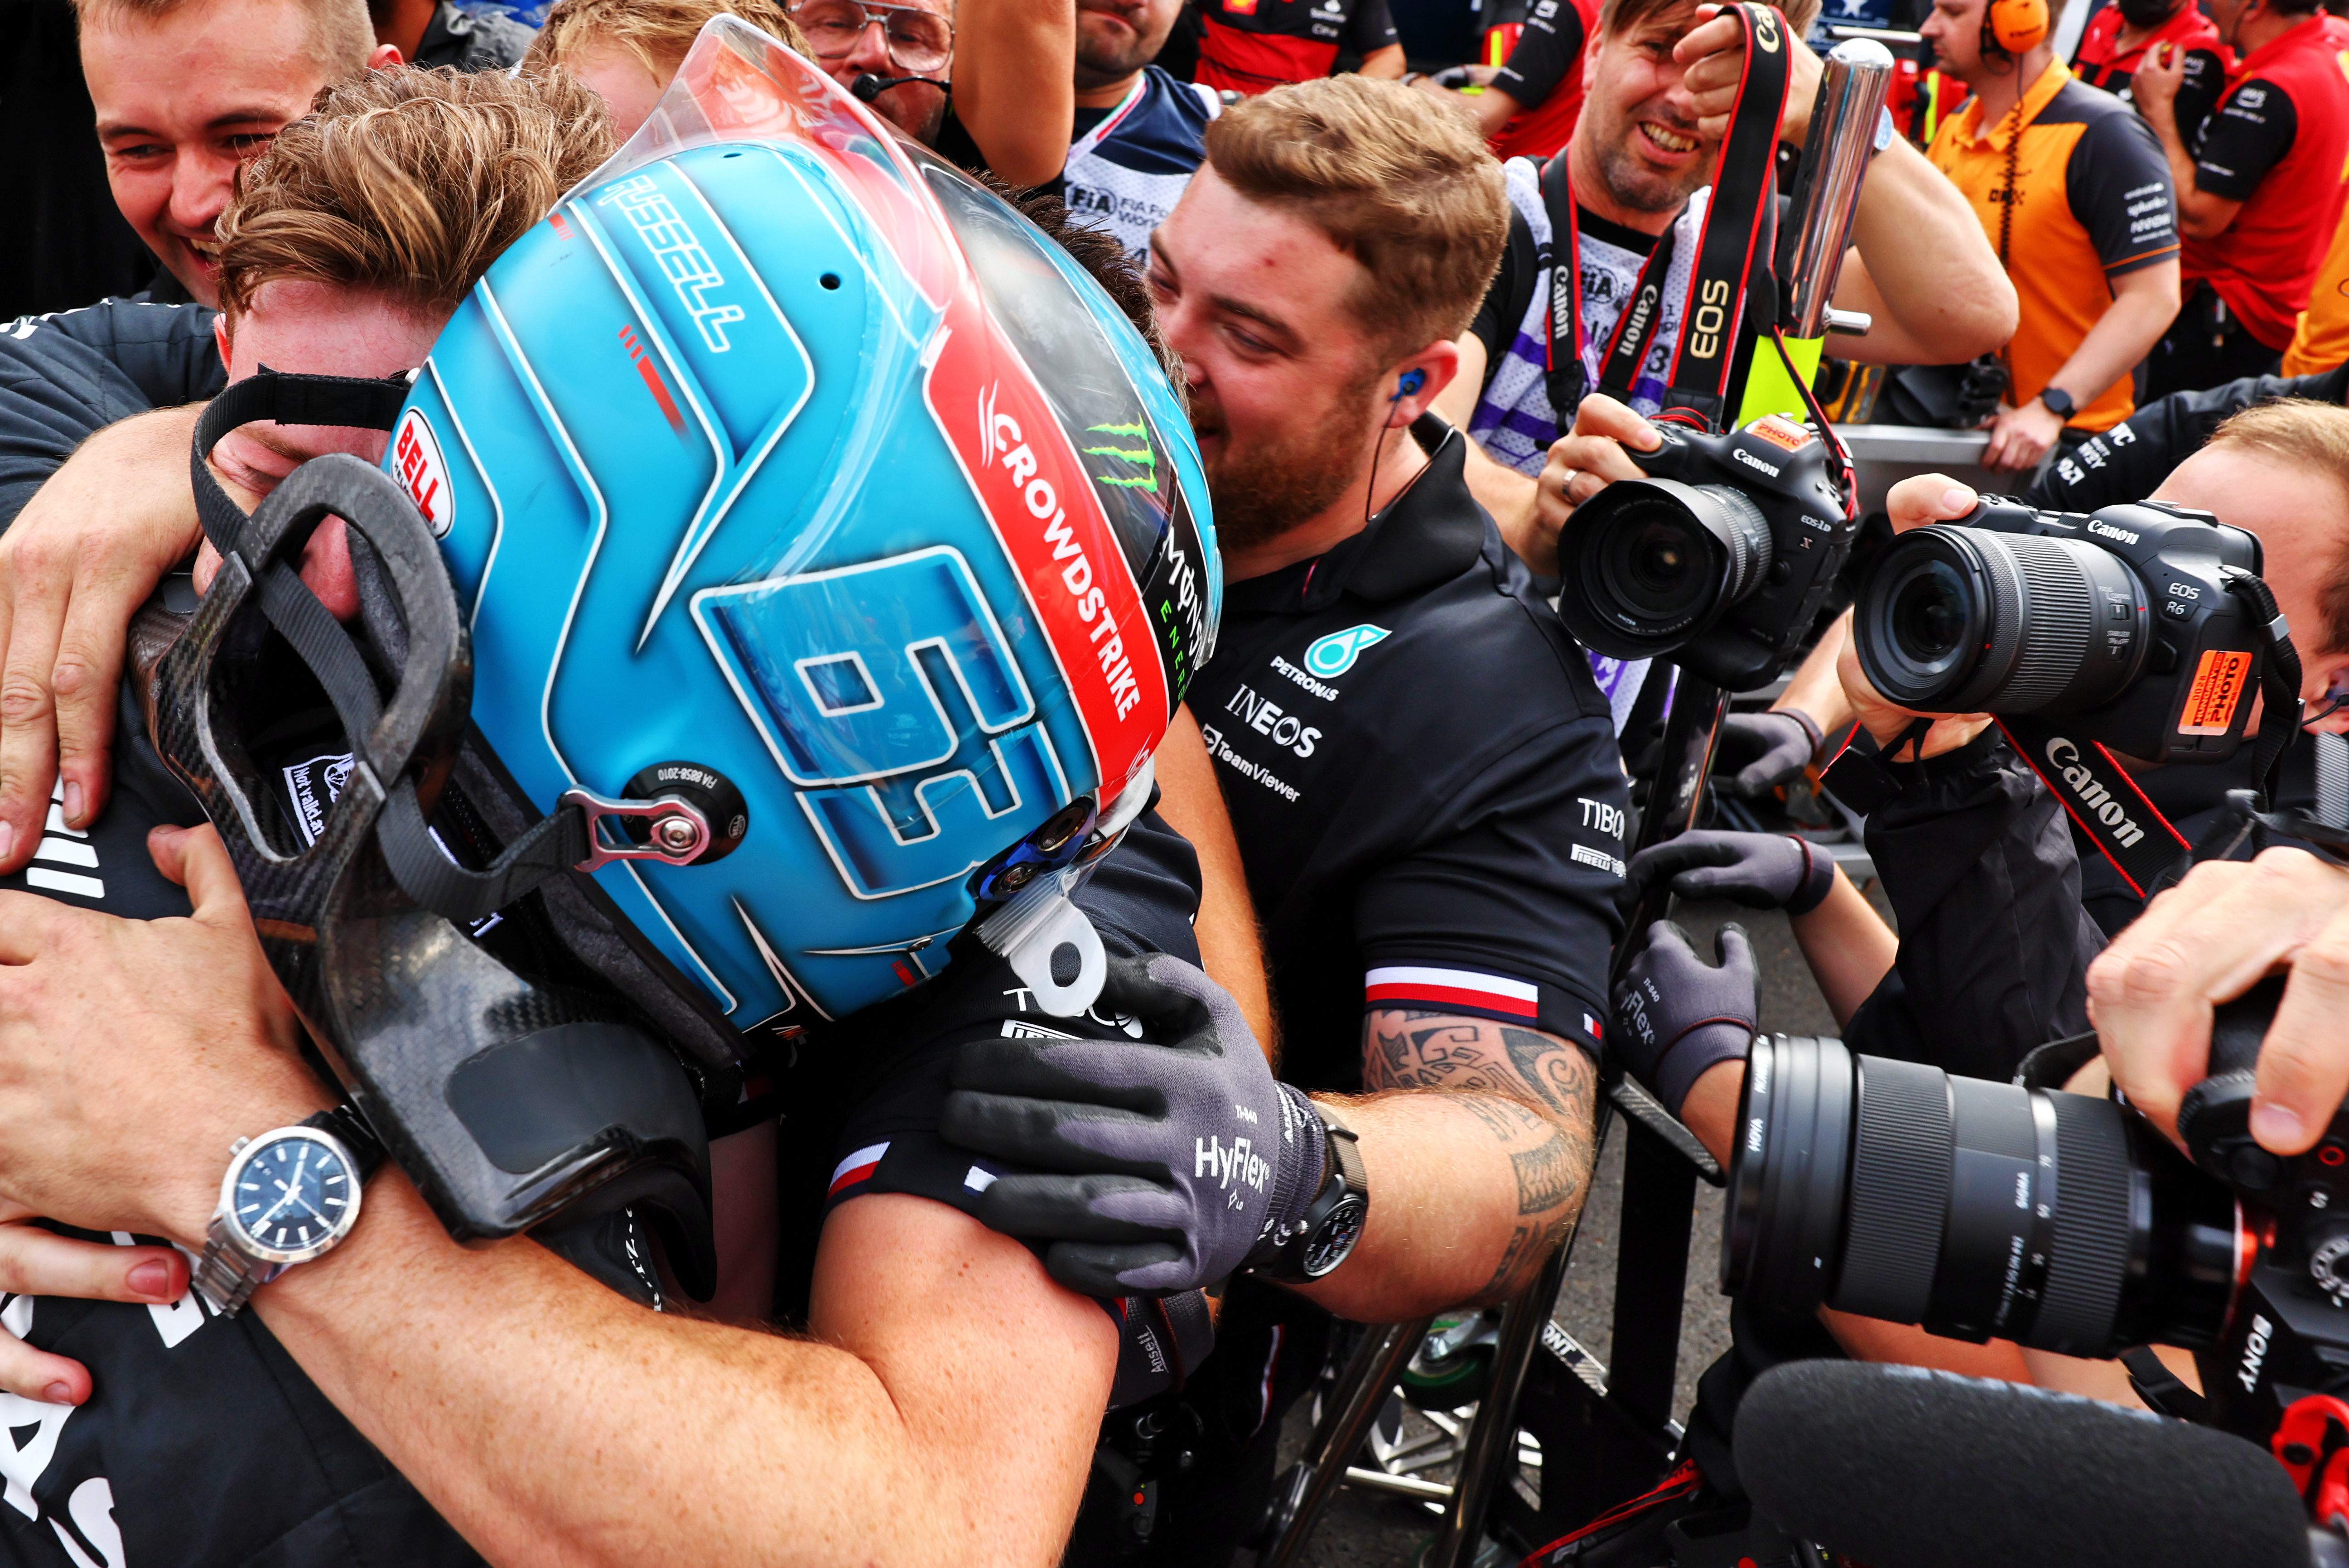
pixel 346 1123
pixel 225 1276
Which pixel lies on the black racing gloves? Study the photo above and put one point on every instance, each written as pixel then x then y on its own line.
pixel 1150 1168
pixel 1677 1015
pixel 1759 752
pixel 1759 871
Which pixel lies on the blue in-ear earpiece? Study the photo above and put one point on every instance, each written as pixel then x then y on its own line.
pixel 1408 386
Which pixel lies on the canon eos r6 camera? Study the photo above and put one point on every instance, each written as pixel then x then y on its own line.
pixel 1721 559
pixel 2124 619
pixel 2061 1221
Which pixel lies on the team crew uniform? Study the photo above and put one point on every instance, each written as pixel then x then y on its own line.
pixel 1423 782
pixel 1544 74
pixel 2275 143
pixel 1129 164
pixel 2101 62
pixel 204 1443
pixel 1252 46
pixel 2079 195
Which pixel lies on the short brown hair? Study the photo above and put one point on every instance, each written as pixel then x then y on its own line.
pixel 1396 181
pixel 2310 436
pixel 1619 17
pixel 408 182
pixel 341 37
pixel 656 33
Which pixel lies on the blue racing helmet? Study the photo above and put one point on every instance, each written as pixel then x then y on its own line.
pixel 818 555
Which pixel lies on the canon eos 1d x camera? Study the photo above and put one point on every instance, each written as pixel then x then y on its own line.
pixel 1720 559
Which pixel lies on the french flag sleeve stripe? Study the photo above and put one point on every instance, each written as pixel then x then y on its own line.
pixel 1452 988
pixel 858 1167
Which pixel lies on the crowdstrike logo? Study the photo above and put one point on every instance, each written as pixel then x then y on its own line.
pixel 1002 443
pixel 2095 800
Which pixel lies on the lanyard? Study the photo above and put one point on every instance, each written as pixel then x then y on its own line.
pixel 1627 348
pixel 1740 218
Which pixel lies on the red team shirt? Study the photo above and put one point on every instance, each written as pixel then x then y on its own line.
pixel 1545 74
pixel 2276 143
pixel 1253 46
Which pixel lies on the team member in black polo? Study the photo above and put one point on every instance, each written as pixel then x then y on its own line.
pixel 1421 772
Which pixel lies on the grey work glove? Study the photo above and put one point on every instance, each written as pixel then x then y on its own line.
pixel 1150 1168
pixel 1765 751
pixel 1759 871
pixel 1676 1016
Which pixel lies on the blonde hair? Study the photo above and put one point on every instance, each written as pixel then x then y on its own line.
pixel 655 33
pixel 410 183
pixel 2310 436
pixel 1395 179
pixel 341 37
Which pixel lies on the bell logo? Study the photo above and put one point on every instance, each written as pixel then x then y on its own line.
pixel 1335 654
pixel 416 462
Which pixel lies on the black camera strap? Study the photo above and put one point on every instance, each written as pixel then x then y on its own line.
pixel 1740 217
pixel 1739 222
pixel 1635 329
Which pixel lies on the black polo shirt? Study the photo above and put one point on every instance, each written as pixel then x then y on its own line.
pixel 1423 779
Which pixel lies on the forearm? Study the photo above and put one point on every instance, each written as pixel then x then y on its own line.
pixel 1492 110
pixel 1928 274
pixel 1905 1344
pixel 551 1421
pixel 1384 64
pixel 1815 688
pixel 1478 1157
pixel 2124 335
pixel 140 464
pixel 1015 83
pixel 1849 947
pixel 1231 944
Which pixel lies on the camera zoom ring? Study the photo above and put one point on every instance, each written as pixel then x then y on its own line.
pixel 1901 1174
pixel 2090 1256
pixel 2060 616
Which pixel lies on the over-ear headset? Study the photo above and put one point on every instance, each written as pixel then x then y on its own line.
pixel 1413 380
pixel 2013 28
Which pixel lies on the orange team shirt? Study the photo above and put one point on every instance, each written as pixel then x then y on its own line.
pixel 2321 341
pixel 2090 200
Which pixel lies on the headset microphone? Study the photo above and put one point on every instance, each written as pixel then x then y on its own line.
pixel 869 86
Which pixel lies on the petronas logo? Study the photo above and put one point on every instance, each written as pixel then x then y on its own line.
pixel 1138 456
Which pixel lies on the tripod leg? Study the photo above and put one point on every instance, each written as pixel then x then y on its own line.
pixel 1354 1404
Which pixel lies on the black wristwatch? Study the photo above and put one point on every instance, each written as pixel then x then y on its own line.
pixel 1325 1237
pixel 2059 402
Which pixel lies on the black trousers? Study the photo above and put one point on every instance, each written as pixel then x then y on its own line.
pixel 2207 345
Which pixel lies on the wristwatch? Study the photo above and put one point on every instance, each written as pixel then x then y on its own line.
pixel 2059 402
pixel 290 1195
pixel 1325 1237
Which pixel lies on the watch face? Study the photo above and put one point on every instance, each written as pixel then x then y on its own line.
pixel 1334 1241
pixel 294 1194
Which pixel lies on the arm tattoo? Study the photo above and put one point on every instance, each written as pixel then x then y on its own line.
pixel 1546 1176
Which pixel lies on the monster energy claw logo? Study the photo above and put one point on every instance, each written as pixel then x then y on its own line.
pixel 1139 457
pixel 1335 654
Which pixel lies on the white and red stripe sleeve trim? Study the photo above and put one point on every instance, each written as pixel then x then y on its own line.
pixel 1413 986
pixel 856 1168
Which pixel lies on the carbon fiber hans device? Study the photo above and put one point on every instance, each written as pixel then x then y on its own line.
pixel 505 1101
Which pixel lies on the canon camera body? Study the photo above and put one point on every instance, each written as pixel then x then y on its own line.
pixel 2125 620
pixel 1720 559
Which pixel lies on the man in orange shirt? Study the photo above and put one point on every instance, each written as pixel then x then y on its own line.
pixel 2072 190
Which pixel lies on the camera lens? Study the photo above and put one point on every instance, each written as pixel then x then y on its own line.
pixel 1659 562
pixel 1892 1191
pixel 1957 621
